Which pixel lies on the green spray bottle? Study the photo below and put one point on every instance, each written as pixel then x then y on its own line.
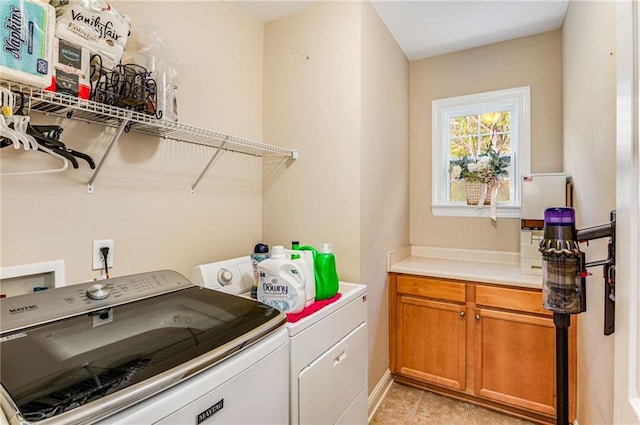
pixel 324 267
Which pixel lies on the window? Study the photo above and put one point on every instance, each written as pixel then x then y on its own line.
pixel 467 128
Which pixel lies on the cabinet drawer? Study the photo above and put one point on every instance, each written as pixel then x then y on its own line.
pixel 432 288
pixel 511 299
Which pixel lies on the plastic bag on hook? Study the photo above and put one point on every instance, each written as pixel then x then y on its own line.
pixel 148 49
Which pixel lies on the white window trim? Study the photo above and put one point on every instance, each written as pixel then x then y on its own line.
pixel 517 98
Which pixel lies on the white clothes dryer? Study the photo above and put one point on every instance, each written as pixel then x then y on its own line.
pixel 327 349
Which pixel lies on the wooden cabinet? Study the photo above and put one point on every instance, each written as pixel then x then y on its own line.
pixel 490 344
pixel 431 341
pixel 515 359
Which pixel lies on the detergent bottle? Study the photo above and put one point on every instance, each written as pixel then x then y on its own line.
pixel 325 271
pixel 310 280
pixel 282 282
pixel 260 253
pixel 306 261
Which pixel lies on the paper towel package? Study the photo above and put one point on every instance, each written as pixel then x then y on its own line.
pixel 26 34
pixel 71 70
pixel 94 24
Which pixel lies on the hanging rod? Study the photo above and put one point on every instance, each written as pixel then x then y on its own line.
pixel 64 105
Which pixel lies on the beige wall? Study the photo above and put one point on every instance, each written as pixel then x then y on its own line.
pixel 384 206
pixel 533 61
pixel 336 86
pixel 589 92
pixel 142 196
pixel 312 102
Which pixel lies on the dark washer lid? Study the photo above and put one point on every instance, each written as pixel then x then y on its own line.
pixel 58 368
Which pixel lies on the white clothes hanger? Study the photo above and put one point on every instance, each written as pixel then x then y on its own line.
pixel 7 98
pixel 19 135
pixel 9 133
pixel 65 165
pixel 7 103
pixel 20 124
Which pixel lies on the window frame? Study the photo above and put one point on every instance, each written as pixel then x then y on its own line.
pixel 518 101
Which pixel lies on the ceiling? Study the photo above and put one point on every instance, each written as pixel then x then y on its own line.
pixel 424 28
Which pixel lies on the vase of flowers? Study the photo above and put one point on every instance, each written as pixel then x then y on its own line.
pixel 481 174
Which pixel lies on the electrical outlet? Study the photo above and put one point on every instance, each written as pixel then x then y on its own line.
pixel 98 263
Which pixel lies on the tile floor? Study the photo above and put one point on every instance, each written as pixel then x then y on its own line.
pixel 404 405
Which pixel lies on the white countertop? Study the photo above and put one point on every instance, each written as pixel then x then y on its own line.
pixel 500 268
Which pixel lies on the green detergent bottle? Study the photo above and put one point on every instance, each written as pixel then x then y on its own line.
pixel 324 267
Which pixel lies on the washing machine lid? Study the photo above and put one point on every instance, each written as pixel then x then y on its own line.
pixel 87 366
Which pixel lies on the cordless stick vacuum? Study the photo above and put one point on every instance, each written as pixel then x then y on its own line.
pixel 563 286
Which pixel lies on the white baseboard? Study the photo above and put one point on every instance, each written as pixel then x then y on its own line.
pixel 378 393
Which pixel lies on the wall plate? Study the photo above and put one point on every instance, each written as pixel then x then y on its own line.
pixel 97 263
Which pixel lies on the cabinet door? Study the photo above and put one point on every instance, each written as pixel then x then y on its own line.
pixel 431 341
pixel 515 359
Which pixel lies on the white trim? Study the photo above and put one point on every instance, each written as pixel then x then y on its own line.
pixel 56 267
pixel 378 393
pixel 517 100
pixel 626 391
pixel 505 211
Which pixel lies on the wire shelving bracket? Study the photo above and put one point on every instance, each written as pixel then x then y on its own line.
pixel 116 136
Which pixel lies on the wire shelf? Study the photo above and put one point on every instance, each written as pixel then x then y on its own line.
pixel 72 107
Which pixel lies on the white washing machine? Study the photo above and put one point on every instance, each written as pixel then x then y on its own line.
pixel 149 348
pixel 328 349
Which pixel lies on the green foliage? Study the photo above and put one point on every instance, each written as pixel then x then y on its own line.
pixel 481 144
pixel 473 135
pixel 480 151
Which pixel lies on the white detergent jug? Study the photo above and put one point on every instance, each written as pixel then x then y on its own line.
pixel 306 262
pixel 282 282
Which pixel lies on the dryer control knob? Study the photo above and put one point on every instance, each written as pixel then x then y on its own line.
pixel 99 291
pixel 225 277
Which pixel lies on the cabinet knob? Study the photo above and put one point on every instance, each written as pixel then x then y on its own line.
pixel 477 317
pixel 462 314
